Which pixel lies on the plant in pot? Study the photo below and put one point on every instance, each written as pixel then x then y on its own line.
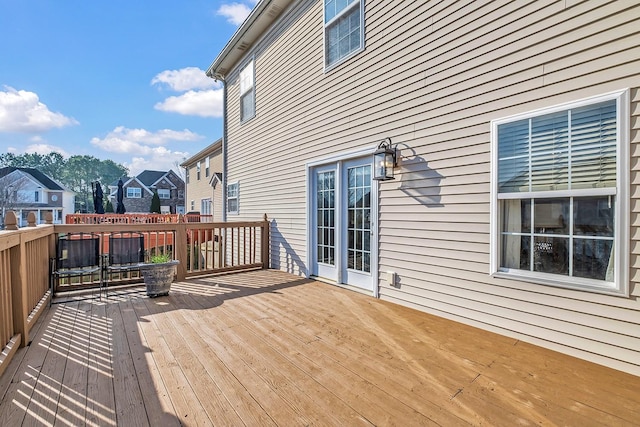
pixel 158 274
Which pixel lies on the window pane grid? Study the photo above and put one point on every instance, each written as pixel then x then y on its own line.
pixel 359 218
pixel 564 236
pixel 325 217
pixel 570 149
pixel 342 29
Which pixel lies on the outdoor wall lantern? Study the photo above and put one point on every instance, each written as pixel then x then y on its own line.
pixel 384 161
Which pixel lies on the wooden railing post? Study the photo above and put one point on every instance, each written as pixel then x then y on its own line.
pixel 31 219
pixel 19 290
pixel 11 221
pixel 180 246
pixel 265 243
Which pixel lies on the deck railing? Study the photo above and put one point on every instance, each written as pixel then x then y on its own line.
pixel 134 218
pixel 24 281
pixel 201 247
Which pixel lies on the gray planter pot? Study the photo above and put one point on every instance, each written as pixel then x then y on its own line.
pixel 158 277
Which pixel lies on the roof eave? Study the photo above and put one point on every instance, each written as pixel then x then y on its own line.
pixel 263 15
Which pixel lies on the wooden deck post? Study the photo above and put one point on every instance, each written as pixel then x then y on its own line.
pixel 265 243
pixel 31 219
pixel 19 290
pixel 181 248
pixel 11 221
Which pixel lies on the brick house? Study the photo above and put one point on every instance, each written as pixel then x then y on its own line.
pixel 138 191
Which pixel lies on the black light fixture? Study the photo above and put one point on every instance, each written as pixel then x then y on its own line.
pixel 384 161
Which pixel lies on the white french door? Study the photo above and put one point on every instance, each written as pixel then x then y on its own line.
pixel 342 225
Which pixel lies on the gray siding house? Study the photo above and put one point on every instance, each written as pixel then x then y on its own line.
pixel 514 206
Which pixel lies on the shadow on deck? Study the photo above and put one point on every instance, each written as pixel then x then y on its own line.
pixel 269 348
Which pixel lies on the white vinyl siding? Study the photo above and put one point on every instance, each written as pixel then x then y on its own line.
pixel 432 78
pixel 247 92
pixel 343 29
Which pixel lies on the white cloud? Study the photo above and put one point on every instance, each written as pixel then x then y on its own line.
pixel 160 159
pixel 205 103
pixel 184 79
pixel 235 13
pixel 22 111
pixel 43 148
pixel 141 141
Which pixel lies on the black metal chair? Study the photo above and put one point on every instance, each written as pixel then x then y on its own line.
pixel 126 252
pixel 77 256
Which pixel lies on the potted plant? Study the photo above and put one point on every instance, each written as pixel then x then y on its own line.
pixel 158 274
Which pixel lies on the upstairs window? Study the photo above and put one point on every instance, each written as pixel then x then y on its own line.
pixel 186 175
pixel 198 171
pixel 343 30
pixel 247 92
pixel 560 179
pixel 232 198
pixel 206 167
pixel 134 192
pixel 164 193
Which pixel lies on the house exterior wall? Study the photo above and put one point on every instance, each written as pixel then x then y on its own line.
pixel 199 189
pixel 432 77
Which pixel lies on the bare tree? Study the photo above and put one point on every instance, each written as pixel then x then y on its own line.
pixel 11 195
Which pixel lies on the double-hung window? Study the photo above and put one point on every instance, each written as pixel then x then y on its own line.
pixel 247 92
pixel 232 198
pixel 343 30
pixel 205 206
pixel 206 167
pixel 559 189
pixel 164 193
pixel 198 171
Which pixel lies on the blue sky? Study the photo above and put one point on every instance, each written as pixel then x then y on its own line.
pixel 118 79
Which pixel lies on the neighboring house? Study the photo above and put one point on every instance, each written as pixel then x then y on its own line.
pixel 25 190
pixel 203 174
pixel 514 206
pixel 138 192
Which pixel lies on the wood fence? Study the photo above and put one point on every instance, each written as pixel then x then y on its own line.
pixel 202 248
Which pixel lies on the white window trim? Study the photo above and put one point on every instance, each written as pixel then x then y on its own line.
pixel 237 198
pixel 620 286
pixel 165 191
pixel 251 63
pixel 134 196
pixel 329 67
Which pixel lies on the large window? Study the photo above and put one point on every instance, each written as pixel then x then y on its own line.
pixel 343 29
pixel 247 92
pixel 232 198
pixel 560 180
pixel 205 206
pixel 164 193
pixel 134 192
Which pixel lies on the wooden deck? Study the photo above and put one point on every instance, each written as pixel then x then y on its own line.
pixel 267 348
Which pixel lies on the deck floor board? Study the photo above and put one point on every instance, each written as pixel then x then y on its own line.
pixel 268 348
